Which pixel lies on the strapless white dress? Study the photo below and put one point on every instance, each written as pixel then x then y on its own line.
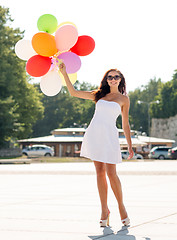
pixel 101 139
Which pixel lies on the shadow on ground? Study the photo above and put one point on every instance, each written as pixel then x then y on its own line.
pixel 122 234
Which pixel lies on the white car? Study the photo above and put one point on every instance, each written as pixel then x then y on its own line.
pixel 38 150
pixel 125 155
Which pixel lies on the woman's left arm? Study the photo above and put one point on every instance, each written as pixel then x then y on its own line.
pixel 126 126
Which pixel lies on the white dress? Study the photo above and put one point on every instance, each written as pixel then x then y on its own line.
pixel 101 139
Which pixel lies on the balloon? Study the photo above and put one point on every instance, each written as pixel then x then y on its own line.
pixel 66 37
pixel 71 60
pixel 84 45
pixel 47 23
pixel 44 44
pixel 38 65
pixel 72 77
pixel 51 83
pixel 66 23
pixel 24 49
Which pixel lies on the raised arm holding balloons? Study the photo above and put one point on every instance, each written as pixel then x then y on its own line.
pixel 71 89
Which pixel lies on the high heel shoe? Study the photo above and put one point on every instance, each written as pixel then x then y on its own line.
pixel 126 221
pixel 105 223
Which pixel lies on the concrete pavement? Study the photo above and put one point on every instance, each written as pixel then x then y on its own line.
pixel 158 167
pixel 60 201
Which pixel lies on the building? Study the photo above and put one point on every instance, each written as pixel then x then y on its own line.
pixel 67 141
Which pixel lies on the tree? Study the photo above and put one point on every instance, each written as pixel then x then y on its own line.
pixel 139 112
pixel 19 100
pixel 168 100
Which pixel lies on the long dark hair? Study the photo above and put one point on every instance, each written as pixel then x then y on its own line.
pixel 104 88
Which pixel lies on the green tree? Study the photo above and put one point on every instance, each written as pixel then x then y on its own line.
pixel 19 100
pixel 168 100
pixel 139 112
pixel 6 119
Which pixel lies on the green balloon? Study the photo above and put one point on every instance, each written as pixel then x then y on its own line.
pixel 47 23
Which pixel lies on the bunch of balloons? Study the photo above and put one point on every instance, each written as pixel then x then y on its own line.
pixel 45 52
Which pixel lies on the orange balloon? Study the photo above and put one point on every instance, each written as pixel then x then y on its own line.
pixel 44 44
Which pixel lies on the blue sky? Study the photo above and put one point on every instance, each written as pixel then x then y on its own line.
pixel 138 37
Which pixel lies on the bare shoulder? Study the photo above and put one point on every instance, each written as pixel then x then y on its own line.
pixel 125 103
pixel 125 99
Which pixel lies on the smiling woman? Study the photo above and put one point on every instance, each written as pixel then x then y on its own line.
pixel 101 139
pixel 112 77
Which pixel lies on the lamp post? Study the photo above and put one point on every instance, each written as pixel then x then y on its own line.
pixel 148 104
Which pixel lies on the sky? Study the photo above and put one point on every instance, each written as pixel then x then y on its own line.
pixel 138 37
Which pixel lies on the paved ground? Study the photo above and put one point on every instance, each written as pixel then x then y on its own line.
pixel 60 201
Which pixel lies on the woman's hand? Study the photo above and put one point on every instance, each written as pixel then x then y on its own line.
pixel 131 153
pixel 62 68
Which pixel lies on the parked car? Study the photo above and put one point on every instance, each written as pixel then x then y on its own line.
pixel 172 153
pixel 38 150
pixel 159 152
pixel 125 155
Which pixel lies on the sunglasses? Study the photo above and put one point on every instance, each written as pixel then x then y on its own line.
pixel 116 77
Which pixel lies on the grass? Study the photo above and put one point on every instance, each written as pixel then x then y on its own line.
pixel 20 157
pixel 58 159
pixel 23 159
pixel 62 159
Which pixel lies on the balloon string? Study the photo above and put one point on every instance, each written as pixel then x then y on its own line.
pixel 55 60
pixel 58 62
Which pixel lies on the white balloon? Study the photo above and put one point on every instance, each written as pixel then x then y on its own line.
pixel 51 83
pixel 24 49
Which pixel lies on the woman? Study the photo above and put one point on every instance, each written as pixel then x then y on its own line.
pixel 101 139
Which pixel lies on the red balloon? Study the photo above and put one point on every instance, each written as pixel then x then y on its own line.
pixel 38 66
pixel 84 45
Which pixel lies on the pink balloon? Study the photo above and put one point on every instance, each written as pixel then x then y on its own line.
pixel 71 61
pixel 66 37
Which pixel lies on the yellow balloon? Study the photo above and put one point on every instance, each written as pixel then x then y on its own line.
pixel 66 23
pixel 72 77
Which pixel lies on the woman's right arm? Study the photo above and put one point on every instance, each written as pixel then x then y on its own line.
pixel 71 89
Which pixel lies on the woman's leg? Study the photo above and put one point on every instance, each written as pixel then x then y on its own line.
pixel 116 187
pixel 102 187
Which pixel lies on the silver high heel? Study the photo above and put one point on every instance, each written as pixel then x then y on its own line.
pixel 126 221
pixel 105 223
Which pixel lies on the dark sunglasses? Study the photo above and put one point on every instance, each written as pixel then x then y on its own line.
pixel 116 77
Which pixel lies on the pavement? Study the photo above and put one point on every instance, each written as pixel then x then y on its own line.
pixel 141 167
pixel 53 201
